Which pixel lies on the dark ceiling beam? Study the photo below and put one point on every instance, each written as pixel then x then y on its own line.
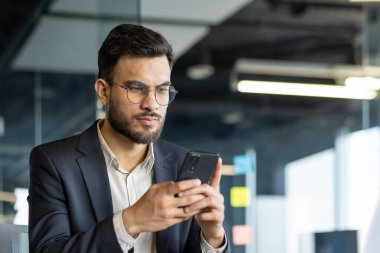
pixel 288 48
pixel 290 25
pixel 23 30
pixel 287 106
pixel 344 4
pixel 130 18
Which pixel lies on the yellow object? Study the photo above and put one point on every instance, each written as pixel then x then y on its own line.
pixel 240 196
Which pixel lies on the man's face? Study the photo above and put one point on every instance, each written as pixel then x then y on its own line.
pixel 141 123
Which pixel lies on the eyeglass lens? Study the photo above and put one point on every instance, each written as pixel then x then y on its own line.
pixel 164 94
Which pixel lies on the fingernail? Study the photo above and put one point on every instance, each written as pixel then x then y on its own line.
pixel 186 209
pixel 198 182
pixel 180 194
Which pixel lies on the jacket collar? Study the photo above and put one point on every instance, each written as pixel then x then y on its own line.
pixel 163 165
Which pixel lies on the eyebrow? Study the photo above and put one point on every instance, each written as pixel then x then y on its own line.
pixel 129 82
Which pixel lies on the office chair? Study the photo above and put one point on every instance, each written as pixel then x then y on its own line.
pixel 14 238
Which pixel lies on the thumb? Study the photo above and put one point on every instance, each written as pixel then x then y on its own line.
pixel 216 176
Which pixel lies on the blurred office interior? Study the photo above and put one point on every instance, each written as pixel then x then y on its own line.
pixel 301 170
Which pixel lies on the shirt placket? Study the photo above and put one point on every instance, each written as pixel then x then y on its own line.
pixel 131 189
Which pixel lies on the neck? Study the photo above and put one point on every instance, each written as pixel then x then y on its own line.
pixel 128 153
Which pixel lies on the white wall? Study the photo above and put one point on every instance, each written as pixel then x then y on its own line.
pixel 271 224
pixel 309 189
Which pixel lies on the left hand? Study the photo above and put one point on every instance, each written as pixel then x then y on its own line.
pixel 211 215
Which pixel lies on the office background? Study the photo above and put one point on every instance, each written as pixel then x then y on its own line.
pixel 315 161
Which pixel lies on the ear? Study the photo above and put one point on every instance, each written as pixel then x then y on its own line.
pixel 103 90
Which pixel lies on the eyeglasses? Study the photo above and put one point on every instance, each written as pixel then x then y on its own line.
pixel 137 92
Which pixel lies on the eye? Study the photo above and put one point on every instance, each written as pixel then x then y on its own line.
pixel 136 88
pixel 162 89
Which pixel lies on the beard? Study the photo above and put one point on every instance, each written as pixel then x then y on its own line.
pixel 122 125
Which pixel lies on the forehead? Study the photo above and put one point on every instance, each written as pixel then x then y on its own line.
pixel 149 70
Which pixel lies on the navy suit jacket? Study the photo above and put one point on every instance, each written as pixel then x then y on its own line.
pixel 70 205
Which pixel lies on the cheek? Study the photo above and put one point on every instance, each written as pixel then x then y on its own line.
pixel 122 107
pixel 163 110
pixel 129 110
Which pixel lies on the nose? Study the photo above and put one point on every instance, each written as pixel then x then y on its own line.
pixel 149 103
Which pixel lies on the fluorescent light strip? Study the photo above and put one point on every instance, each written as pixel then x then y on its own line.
pixel 367 82
pixel 303 89
pixel 365 1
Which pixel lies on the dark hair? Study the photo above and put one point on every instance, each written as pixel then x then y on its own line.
pixel 132 40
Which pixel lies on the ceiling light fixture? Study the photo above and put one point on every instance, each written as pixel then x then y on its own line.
pixel 200 71
pixel 364 1
pixel 367 82
pixel 305 79
pixel 303 89
pixel 203 68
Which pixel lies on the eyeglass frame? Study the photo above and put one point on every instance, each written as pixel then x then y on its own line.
pixel 126 87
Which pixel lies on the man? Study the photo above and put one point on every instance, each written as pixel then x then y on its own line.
pixel 112 188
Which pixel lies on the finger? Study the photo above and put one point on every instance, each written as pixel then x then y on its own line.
pixel 184 212
pixel 208 203
pixel 204 189
pixel 188 200
pixel 170 213
pixel 184 185
pixel 216 176
pixel 210 216
pixel 187 212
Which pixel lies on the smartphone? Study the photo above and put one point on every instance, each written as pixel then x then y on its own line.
pixel 199 165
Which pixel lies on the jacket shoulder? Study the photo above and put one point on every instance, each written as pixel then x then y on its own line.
pixel 87 139
pixel 171 146
pixel 58 150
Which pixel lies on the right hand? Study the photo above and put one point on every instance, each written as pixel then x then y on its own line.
pixel 160 207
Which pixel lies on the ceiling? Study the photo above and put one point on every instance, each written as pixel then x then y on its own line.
pixel 64 35
pixel 328 32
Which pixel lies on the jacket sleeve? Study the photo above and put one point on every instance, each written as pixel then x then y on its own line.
pixel 50 228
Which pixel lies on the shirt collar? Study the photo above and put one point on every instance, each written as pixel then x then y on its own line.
pixel 111 159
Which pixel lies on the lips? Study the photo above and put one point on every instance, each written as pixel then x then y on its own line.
pixel 147 120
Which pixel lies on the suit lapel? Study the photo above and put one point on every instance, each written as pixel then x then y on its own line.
pixel 163 171
pixel 94 172
pixel 163 165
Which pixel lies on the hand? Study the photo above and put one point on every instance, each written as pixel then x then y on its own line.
pixel 211 215
pixel 160 207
